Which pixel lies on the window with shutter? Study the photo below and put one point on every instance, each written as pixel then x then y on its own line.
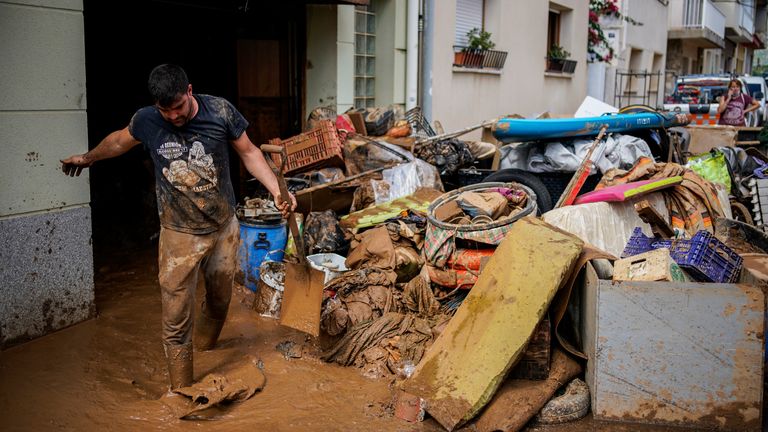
pixel 469 15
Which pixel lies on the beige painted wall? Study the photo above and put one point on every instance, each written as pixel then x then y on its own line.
pixel 461 99
pixel 390 51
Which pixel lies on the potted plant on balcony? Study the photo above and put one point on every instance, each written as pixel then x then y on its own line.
pixel 556 58
pixel 478 41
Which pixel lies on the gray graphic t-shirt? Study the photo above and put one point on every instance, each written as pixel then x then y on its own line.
pixel 194 190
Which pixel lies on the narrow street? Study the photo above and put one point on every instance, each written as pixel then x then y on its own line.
pixel 109 373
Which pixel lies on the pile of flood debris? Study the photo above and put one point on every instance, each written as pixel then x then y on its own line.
pixel 642 301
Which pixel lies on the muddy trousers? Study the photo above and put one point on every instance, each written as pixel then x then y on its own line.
pixel 182 257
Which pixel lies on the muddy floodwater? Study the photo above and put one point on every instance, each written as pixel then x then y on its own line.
pixel 109 373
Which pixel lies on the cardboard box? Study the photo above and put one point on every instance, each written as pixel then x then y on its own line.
pixel 705 138
pixel 655 265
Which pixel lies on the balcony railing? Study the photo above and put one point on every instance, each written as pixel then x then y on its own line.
pixel 697 14
pixel 559 65
pixel 747 18
pixel 478 58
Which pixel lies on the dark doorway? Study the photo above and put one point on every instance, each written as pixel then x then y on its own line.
pixel 250 52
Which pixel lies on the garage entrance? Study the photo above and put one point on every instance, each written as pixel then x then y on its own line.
pixel 249 52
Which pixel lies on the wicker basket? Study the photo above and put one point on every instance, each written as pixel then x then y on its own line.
pixel 317 148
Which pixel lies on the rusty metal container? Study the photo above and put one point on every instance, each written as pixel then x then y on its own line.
pixel 677 353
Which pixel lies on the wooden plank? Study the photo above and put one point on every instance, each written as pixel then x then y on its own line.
pixel 649 215
pixel 468 361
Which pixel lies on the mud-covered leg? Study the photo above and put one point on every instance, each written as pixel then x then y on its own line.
pixel 218 271
pixel 179 261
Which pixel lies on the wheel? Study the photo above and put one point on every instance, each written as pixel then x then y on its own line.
pixel 741 212
pixel 543 199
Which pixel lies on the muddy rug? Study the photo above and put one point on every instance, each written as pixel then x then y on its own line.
pixel 233 384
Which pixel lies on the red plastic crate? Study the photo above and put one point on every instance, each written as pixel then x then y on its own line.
pixel 317 148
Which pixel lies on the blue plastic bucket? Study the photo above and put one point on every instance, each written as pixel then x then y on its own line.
pixel 259 243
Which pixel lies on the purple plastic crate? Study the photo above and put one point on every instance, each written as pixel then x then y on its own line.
pixel 639 243
pixel 704 257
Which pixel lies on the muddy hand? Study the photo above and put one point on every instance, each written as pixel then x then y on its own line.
pixel 282 204
pixel 73 165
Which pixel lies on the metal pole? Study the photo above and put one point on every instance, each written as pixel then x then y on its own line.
pixel 426 73
pixel 412 54
pixel 646 92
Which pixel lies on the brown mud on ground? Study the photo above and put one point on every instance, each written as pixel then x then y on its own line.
pixel 108 373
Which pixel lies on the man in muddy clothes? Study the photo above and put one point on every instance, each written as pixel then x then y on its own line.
pixel 187 136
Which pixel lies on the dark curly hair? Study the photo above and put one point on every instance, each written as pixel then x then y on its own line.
pixel 166 83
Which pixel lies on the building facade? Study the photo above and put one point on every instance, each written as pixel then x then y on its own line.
pixel 714 36
pixel 45 220
pixel 343 71
pixel 635 75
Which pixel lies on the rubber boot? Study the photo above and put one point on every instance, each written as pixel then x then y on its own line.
pixel 179 360
pixel 207 332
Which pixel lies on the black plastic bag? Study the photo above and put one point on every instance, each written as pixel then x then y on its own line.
pixel 323 234
pixel 446 155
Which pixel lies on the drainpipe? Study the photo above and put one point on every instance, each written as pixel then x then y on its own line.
pixel 412 54
pixel 426 58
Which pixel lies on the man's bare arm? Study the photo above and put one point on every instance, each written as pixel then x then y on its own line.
pixel 254 162
pixel 113 145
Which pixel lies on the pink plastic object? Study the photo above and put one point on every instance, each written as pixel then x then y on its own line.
pixel 622 192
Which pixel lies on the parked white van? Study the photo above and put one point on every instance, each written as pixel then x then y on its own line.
pixel 756 88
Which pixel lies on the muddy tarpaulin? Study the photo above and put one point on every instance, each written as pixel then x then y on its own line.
pixel 559 307
pixel 390 340
pixel 517 401
pixel 236 383
pixel 468 361
pixel 693 204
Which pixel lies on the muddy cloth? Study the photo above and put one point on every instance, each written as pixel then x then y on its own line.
pixel 418 296
pixel 389 340
pixel 360 295
pixel 194 190
pixel 527 397
pixel 446 155
pixel 693 204
pixel 392 246
pixel 236 384
pixel 181 257
pixel 323 234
